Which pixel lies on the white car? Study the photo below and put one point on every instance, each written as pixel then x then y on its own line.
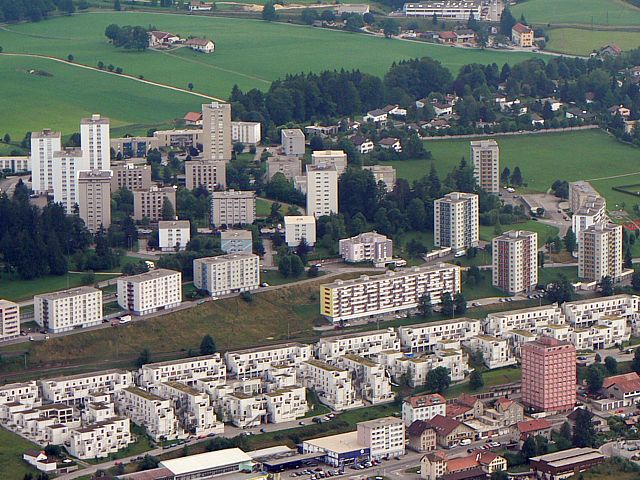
pixel 465 441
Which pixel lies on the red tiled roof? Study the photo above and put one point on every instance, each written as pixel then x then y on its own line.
pixel 426 400
pixel 485 458
pixel 417 428
pixel 199 41
pixel 625 377
pixel 504 402
pixel 443 425
pixel 520 28
pixel 466 399
pixel 454 410
pixel 462 463
pixel 533 425
pixel 628 386
pixel 447 35
pixel 193 117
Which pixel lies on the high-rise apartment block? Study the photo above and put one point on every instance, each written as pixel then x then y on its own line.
pixel 390 293
pixel 549 375
pixel 366 247
pixel 456 221
pixel 600 252
pixel 216 131
pixel 94 199
pixel 149 203
pixel 292 140
pixel 235 272
pixel 333 157
pixel 485 155
pixel 95 142
pixel 9 320
pixel 385 437
pixel 298 227
pixel 322 190
pixel 67 164
pixel 68 309
pixel 210 174
pixel 151 291
pixel 131 176
pixel 233 207
pixel 515 261
pixel 43 144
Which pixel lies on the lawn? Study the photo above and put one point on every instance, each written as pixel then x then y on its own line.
pixel 12 447
pixel 576 41
pixel 13 288
pixel 548 275
pixel 544 231
pixel 544 158
pixel 274 277
pixel 263 207
pixel 483 289
pixel 491 378
pixel 585 12
pixel 60 100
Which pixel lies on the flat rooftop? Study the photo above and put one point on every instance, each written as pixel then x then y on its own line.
pixel 389 275
pixel 163 224
pixel 151 275
pixel 236 235
pixel 342 443
pixel 225 258
pixel 206 461
pixel 72 292
pixel 181 361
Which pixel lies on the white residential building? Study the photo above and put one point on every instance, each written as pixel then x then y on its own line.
pixel 95 142
pixel 445 9
pixel 247 133
pixel 186 371
pixel 584 313
pixel 392 292
pixel 233 207
pixel 67 164
pixel 369 378
pixel 234 272
pixel 322 190
pixel 193 408
pixel 592 212
pixel 258 362
pixel 94 199
pixel 68 309
pixel 174 235
pixel 286 404
pixel 365 344
pixel 496 351
pixel 76 389
pixel 16 163
pixel 150 411
pixel 385 437
pixel 236 241
pixel 151 291
pixel 425 337
pixel 43 144
pixel 244 411
pixel 485 155
pixel 515 261
pixel 417 368
pixel 608 332
pixel 99 440
pixel 600 252
pixel 292 140
pixel 9 320
pixel 456 221
pixel 367 247
pixel 298 227
pixel 423 407
pixel 337 158
pixel 332 384
pixel 209 174
pixel 532 319
pixel 216 132
pixel 25 393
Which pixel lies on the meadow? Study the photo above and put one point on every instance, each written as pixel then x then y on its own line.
pixel 578 12
pixel 11 464
pixel 576 41
pixel 544 158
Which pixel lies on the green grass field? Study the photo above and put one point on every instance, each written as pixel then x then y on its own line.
pixel 13 288
pixel 12 447
pixel 576 41
pixel 544 231
pixel 578 12
pixel 548 275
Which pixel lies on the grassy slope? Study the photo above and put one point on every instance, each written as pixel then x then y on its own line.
pixel 12 447
pixel 36 102
pixel 580 42
pixel 12 288
pixel 601 12
pixel 236 60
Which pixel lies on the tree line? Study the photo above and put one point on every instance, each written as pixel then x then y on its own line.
pixel 33 10
pixel 128 37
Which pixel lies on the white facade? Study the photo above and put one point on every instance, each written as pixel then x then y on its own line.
pixel 368 378
pixel 532 319
pixel 298 227
pixel 385 437
pixel 515 261
pixel 68 309
pixel 76 389
pixel 600 252
pixel 233 207
pixel 322 190
pixel 95 142
pixel 193 408
pixel 248 133
pixel 584 313
pixel 235 272
pixel 16 163
pixel 286 405
pixel 292 140
pixel 592 211
pixel 337 158
pixel 43 144
pixel 456 221
pixel 496 351
pixel 9 320
pixel 366 247
pixel 259 362
pixel 101 439
pixel 365 344
pixel 150 411
pixel 485 155
pixel 332 384
pixel 174 235
pixel 236 241
pixel 425 337
pixel 423 407
pixel 186 371
pixel 151 291
pixel 25 393
pixel 381 173
pixel 454 10
pixel 67 164
pixel 391 292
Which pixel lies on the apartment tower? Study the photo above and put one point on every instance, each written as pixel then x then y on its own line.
pixel 216 130
pixel 456 221
pixel 94 199
pixel 95 142
pixel 515 261
pixel 600 252
pixel 67 165
pixel 485 155
pixel 43 144
pixel 322 190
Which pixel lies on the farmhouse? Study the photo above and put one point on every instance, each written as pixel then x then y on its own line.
pixel 193 119
pixel 158 38
pixel 203 45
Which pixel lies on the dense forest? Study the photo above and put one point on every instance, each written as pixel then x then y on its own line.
pixel 34 10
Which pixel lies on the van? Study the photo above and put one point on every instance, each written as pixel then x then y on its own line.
pixel 125 319
pixel 465 441
pixel 459 254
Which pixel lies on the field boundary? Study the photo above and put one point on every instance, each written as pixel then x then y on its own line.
pixel 119 75
pixel 504 134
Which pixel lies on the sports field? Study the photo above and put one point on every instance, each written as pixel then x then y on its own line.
pixel 575 41
pixel 578 12
pixel 544 158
